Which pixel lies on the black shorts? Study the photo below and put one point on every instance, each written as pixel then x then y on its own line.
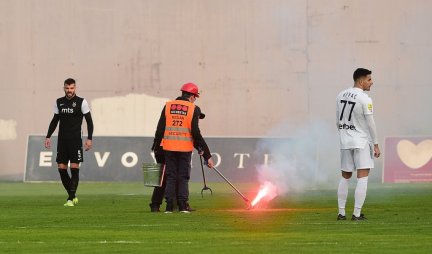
pixel 69 150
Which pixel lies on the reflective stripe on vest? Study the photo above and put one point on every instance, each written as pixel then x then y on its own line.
pixel 178 135
pixel 177 129
pixel 178 138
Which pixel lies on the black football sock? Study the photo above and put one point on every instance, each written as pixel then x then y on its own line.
pixel 74 181
pixel 66 181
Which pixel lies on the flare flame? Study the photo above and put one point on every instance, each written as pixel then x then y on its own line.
pixel 267 192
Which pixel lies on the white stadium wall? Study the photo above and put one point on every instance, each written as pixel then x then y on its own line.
pixel 265 68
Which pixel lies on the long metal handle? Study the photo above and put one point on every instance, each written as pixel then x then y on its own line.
pixel 202 169
pixel 219 173
pixel 204 179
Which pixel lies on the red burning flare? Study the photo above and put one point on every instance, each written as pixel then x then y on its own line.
pixel 267 192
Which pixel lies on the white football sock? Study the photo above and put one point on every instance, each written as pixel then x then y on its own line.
pixel 360 195
pixel 342 194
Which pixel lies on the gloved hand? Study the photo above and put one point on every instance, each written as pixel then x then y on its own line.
pixel 159 154
pixel 200 151
pixel 156 144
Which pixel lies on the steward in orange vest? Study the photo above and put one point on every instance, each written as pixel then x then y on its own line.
pixel 178 127
pixel 178 133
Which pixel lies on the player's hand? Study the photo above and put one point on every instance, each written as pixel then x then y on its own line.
pixel 377 151
pixel 88 144
pixel 210 163
pixel 48 143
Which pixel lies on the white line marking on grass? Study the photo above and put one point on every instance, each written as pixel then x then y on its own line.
pixel 146 225
pixel 98 226
pixel 134 242
pixel 119 242
pixel 355 222
pixel 310 243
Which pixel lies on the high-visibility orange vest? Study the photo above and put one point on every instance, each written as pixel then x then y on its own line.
pixel 178 135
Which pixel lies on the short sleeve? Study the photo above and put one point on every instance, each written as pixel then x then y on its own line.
pixel 85 107
pixel 55 108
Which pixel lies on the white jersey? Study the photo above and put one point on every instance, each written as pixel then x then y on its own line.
pixel 352 106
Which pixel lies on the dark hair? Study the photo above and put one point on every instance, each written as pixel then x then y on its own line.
pixel 186 95
pixel 360 72
pixel 69 81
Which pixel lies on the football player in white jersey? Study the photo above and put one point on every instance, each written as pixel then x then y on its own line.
pixel 358 140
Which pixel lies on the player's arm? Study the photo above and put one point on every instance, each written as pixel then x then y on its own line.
pixel 337 115
pixel 89 142
pixel 372 128
pixel 85 109
pixel 51 129
pixel 90 126
pixel 337 119
pixel 368 113
pixel 373 133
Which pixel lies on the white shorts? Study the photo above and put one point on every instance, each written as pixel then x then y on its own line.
pixel 357 158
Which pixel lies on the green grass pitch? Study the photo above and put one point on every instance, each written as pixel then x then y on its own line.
pixel 115 218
